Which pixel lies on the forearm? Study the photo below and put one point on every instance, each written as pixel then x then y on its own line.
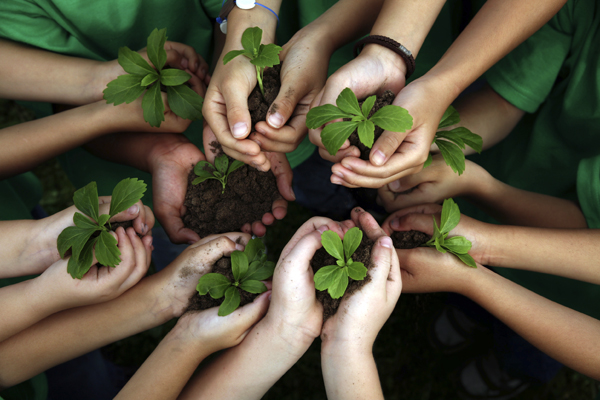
pixel 564 334
pixel 572 253
pixel 164 374
pixel 248 370
pixel 239 20
pixel 26 145
pixel 17 252
pixel 350 373
pixel 497 28
pixel 31 74
pixel 71 333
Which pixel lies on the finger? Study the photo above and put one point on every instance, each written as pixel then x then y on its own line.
pixel 370 176
pixel 258 228
pixel 381 256
pixel 142 260
pixel 320 224
pixel 188 53
pixel 285 103
pixel 367 223
pixel 279 210
pixel 130 214
pixel 283 173
pixel 299 256
pixel 417 222
pixel 238 238
pixel 385 146
pixel 245 317
pixel 176 60
pixel 344 152
pixel 173 225
pixel 127 252
pixel 275 145
pixel 210 252
pixel 238 115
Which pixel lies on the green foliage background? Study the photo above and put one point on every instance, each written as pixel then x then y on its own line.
pixel 409 368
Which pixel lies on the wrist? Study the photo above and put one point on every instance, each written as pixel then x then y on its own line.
pixel 389 57
pixel 102 72
pixel 162 146
pixel 239 20
pixel 340 349
pixel 291 339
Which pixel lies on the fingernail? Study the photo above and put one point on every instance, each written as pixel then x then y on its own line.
pixel 378 158
pixel 239 247
pixel 145 230
pixel 276 120
pixel 323 229
pixel 150 244
pixel 191 242
pixel 134 209
pixel 395 223
pixel 395 186
pixel 270 297
pixel 386 242
pixel 293 194
pixel 203 73
pixel 358 210
pixel 338 174
pixel 184 63
pixel 240 129
pixel 335 180
pixel 257 142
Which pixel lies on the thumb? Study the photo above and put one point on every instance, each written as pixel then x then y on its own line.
pixel 385 146
pixel 250 314
pixel 417 222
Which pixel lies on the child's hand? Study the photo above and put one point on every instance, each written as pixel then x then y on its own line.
pixel 426 270
pixel 100 283
pixel 420 218
pixel 432 184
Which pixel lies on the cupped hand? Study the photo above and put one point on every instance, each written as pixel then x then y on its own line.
pixel 420 218
pixel 282 170
pixel 426 270
pixel 170 163
pixel 100 283
pixel 431 185
pixel 395 155
pixel 375 70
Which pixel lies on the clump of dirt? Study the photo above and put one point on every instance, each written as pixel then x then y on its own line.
pixel 381 101
pixel 259 105
pixel 409 239
pixel 223 267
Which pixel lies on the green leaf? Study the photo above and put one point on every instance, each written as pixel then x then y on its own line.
pixel 233 54
pixel 107 252
pixel 236 164
pixel 202 167
pixel 334 135
pixel 450 216
pixel 174 77
pixel 149 79
pixel 251 39
pixel 325 276
pixel 318 116
pixel 156 48
pixel 340 283
pixel 184 102
pixel 254 249
pixel 357 271
pixel 268 56
pixel 471 139
pixel 259 271
pixel 367 105
pixel 127 192
pixel 438 244
pixel 453 155
pixel 133 63
pixel 428 161
pixel 457 245
pixel 352 240
pixel 467 259
pixel 213 283
pixel 75 238
pixel 239 265
pixel 124 89
pixel 79 266
pixel 366 133
pixel 81 221
pixel 450 137
pixel 333 244
pixel 392 118
pixel 153 106
pixel 221 163
pixel 347 102
pixel 253 286
pixel 450 117
pixel 103 219
pixel 86 200
pixel 231 302
pixel 201 179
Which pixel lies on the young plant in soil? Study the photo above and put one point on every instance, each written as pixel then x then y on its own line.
pixel 457 245
pixel 249 268
pixel 334 278
pixel 220 171
pixel 143 77
pixel 357 118
pixel 91 231
pixel 453 141
pixel 260 55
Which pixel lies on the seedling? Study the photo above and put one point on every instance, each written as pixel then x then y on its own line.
pixel 79 238
pixel 453 141
pixel 142 77
pixel 249 268
pixel 221 170
pixel 457 245
pixel 334 278
pixel 260 55
pixel 333 136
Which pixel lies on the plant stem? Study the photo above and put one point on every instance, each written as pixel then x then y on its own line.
pixel 259 76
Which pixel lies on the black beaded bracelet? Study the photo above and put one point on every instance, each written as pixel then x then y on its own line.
pixel 392 45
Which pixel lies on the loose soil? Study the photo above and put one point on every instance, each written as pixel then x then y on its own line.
pixel 259 105
pixel 401 240
pixel 384 100
pixel 223 267
pixel 249 194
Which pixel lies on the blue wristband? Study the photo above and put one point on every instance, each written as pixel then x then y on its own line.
pixel 227 6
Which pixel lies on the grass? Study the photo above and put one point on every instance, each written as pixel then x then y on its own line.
pixel 409 367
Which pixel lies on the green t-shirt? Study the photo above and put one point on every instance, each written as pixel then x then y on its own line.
pixel 554 74
pixel 588 190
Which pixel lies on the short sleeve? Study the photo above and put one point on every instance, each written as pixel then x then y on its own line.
pixel 588 190
pixel 526 75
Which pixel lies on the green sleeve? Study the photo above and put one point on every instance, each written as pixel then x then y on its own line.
pixel 526 75
pixel 588 190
